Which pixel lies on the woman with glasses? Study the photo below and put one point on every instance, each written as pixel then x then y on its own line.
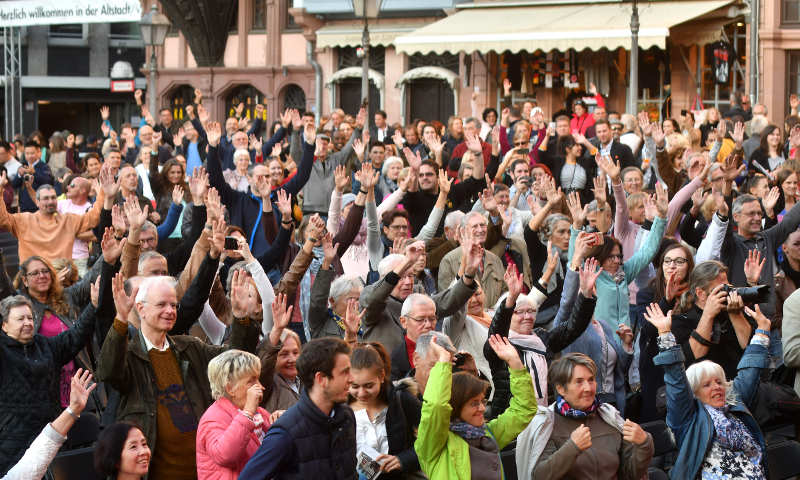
pixel 675 264
pixel 454 439
pixel 55 309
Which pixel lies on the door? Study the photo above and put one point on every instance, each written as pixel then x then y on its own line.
pixel 430 99
pixel 350 96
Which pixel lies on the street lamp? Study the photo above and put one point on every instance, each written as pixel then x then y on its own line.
pixel 633 94
pixel 366 9
pixel 154 26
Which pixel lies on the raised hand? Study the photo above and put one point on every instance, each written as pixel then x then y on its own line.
pixel 445 183
pixel 213 133
pixel 361 117
pixel 122 301
pixel 284 202
pixel 286 118
pixel 721 204
pixel 198 185
pixel 473 144
pixel 239 109
pixel 505 351
pixel 244 251
pixel 340 178
pixel 310 134
pixel 762 322
pixel 738 133
pixel 368 176
pixel 105 112
pixel 80 388
pixel 600 193
pixel 94 292
pixel 213 205
pixel 721 130
pixel 328 248
pixel 134 212
pixel 626 335
pixel 753 265
pixel 137 95
pixel 506 87
pixel 243 303
pixel 488 201
pixel 111 247
pixel 656 317
pixel 109 185
pixel 552 194
pixel 730 169
pixel 280 313
pixel 609 166
pixel 771 199
pixel 398 139
pixel 414 159
pixel 644 123
pixel 118 220
pixel 513 279
pixel 177 139
pixel 658 135
pixel 177 195
pixel 359 147
pixel 217 241
pixel 588 277
pixel 576 210
pixel 662 200
pixel 352 318
pixel 315 229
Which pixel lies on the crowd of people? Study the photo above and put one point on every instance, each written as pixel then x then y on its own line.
pixel 341 296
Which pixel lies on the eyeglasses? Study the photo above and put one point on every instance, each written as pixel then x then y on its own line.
pixel 530 312
pixel 521 144
pixel 477 403
pixel 615 257
pixel 428 320
pixel 399 227
pixel 427 174
pixel 43 271
pixel 679 261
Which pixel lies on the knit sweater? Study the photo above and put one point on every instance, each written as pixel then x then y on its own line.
pixel 174 455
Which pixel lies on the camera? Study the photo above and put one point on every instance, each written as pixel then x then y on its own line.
pixel 27 177
pixel 750 295
pixel 231 243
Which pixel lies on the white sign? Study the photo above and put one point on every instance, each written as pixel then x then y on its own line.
pixel 48 12
pixel 122 85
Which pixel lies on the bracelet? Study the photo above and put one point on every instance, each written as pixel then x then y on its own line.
pixel 665 341
pixel 702 341
pixel 72 413
pixel 312 239
pixel 762 332
pixel 247 415
pixel 471 277
pixel 362 191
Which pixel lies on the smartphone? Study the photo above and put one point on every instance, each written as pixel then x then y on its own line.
pixel 683 113
pixel 523 151
pixel 231 243
pixel 552 125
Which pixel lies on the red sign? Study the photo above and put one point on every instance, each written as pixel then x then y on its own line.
pixel 122 85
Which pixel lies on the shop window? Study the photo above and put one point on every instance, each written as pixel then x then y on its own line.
pixel 348 57
pixel 790 12
pixel 294 97
pixel 179 98
pixel 73 30
pixel 249 95
pixel 793 72
pixel 445 60
pixel 125 30
pixel 259 15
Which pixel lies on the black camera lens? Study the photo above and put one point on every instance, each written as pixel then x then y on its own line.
pixel 749 295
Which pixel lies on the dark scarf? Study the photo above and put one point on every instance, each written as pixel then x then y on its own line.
pixel 563 408
pixel 466 430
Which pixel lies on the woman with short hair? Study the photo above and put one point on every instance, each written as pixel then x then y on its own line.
pixel 232 428
pixel 716 434
pixel 122 452
pixel 580 437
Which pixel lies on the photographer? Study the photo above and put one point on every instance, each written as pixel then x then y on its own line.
pixel 710 324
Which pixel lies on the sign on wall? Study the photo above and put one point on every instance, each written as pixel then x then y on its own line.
pixel 48 12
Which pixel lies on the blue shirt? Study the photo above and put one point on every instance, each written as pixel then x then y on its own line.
pixel 193 159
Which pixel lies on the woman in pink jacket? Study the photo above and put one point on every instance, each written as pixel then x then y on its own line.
pixel 232 428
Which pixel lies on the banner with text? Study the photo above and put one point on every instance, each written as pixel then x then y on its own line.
pixel 50 12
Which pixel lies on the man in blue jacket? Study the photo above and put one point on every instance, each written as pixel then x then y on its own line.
pixel 315 438
pixel 31 176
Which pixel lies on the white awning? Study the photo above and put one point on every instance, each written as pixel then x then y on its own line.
pixel 350 35
pixel 355 72
pixel 430 72
pixel 494 27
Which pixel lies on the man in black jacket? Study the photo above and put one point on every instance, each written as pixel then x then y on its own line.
pixel 315 438
pixel 607 145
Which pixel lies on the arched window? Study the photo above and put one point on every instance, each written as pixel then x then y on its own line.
pixel 179 98
pixel 294 97
pixel 246 94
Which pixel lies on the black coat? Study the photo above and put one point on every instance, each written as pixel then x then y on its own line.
pixel 400 364
pixel 30 376
pixel 402 421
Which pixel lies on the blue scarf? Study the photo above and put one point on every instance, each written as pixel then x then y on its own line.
pixel 563 408
pixel 466 430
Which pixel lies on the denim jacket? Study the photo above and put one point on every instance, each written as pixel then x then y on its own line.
pixel 688 419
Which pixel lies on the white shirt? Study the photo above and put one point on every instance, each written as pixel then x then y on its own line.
pixel 371 433
pixel 150 346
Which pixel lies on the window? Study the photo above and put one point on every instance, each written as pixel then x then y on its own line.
pixel 289 23
pixel 259 15
pixel 234 25
pixel 377 58
pixel 179 98
pixel 247 94
pixel 793 72
pixel 73 30
pixel 294 97
pixel 790 12
pixel 125 30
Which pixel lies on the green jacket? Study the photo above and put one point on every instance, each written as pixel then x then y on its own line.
pixel 125 365
pixel 443 454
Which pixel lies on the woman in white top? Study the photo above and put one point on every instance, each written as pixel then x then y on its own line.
pixel 385 417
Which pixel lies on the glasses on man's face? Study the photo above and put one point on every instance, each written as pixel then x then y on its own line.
pixel 521 144
pixel 427 174
pixel 399 227
pixel 525 312
pixel 679 261
pixel 37 273
pixel 421 321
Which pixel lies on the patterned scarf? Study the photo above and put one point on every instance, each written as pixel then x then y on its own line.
pixel 340 322
pixel 563 408
pixel 258 425
pixel 466 430
pixel 733 434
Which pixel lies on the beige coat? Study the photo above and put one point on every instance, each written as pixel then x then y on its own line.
pixel 491 280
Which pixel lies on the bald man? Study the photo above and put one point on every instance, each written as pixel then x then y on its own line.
pixel 77 202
